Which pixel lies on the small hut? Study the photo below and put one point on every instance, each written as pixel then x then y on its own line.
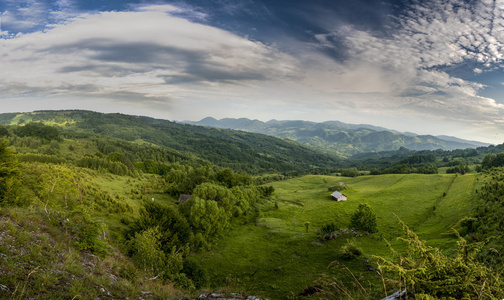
pixel 339 196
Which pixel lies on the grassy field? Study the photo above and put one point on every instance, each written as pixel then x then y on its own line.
pixel 278 257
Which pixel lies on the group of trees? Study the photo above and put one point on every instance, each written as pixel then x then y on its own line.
pixel 493 160
pixel 38 130
pixel 218 199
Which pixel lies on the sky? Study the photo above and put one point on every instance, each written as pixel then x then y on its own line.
pixel 422 66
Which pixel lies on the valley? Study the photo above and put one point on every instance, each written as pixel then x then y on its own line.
pixel 90 207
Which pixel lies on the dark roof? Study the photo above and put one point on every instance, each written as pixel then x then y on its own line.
pixel 183 198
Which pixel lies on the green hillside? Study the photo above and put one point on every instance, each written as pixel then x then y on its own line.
pixel 277 257
pixel 241 151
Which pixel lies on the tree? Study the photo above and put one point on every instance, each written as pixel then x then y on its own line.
pixel 146 250
pixel 9 172
pixel 350 172
pixel 174 229
pixel 207 217
pixel 364 219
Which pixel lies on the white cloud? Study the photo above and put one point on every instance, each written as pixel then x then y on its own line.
pixel 144 55
pixel 404 73
pixel 24 15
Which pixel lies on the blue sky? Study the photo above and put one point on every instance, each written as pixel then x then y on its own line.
pixel 430 67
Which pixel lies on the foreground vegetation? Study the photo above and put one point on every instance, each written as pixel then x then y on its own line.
pixel 86 215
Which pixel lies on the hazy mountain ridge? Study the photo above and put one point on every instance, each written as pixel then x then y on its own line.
pixel 344 138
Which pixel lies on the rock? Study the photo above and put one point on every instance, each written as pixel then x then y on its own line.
pixel 396 296
pixel 104 291
pixel 4 288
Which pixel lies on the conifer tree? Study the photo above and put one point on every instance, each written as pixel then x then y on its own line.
pixel 364 219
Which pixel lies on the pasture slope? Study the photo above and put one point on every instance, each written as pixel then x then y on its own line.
pixel 278 257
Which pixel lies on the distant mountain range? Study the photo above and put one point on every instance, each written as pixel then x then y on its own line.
pixel 345 139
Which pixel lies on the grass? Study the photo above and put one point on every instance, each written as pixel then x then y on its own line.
pixel 38 261
pixel 278 258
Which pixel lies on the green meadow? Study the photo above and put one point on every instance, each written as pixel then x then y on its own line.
pixel 281 253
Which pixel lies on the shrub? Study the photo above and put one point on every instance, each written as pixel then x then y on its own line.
pixel 173 227
pixel 432 275
pixel 87 233
pixel 146 251
pixel 329 228
pixel 195 273
pixel 9 173
pixel 469 223
pixel 350 250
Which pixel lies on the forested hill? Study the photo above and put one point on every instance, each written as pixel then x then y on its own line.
pixel 241 151
pixel 344 138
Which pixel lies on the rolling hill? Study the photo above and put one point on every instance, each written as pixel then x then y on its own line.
pixel 239 150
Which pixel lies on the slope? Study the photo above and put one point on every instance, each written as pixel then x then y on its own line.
pixel 242 151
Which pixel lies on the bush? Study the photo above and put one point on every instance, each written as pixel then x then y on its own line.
pixel 86 232
pixel 173 227
pixel 195 273
pixel 340 187
pixel 329 228
pixel 432 275
pixel 469 223
pixel 9 172
pixel 350 250
pixel 146 251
